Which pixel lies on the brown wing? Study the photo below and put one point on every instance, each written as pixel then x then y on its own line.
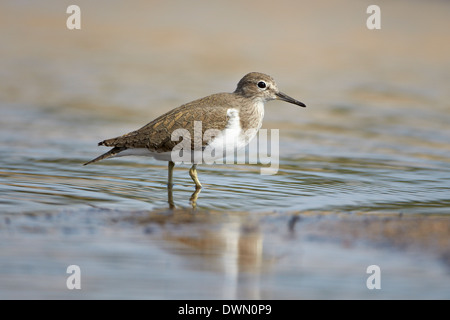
pixel 157 135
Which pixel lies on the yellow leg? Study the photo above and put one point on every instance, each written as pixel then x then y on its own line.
pixel 170 181
pixel 194 197
pixel 193 174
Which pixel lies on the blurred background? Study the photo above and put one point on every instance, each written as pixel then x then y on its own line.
pixel 373 141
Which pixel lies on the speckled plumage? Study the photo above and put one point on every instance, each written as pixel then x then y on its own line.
pixel 246 102
pixel 156 135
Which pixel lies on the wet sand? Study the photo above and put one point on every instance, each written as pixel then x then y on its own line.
pixel 186 254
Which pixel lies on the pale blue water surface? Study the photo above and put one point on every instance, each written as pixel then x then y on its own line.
pixel 373 141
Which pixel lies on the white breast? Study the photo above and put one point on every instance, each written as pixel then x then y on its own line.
pixel 231 135
pixel 227 141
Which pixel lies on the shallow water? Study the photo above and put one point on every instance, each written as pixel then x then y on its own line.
pixel 374 139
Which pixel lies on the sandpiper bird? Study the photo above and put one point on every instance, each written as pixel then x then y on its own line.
pixel 233 117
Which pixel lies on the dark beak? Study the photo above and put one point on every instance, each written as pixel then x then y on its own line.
pixel 285 97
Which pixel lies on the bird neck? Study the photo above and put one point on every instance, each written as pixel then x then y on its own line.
pixel 252 113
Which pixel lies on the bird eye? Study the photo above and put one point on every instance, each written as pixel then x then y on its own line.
pixel 262 84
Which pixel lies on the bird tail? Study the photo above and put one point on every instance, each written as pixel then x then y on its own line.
pixel 107 155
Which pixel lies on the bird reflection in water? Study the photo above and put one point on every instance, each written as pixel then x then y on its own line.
pixel 231 248
pixel 192 199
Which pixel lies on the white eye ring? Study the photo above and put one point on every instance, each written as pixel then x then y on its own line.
pixel 262 85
